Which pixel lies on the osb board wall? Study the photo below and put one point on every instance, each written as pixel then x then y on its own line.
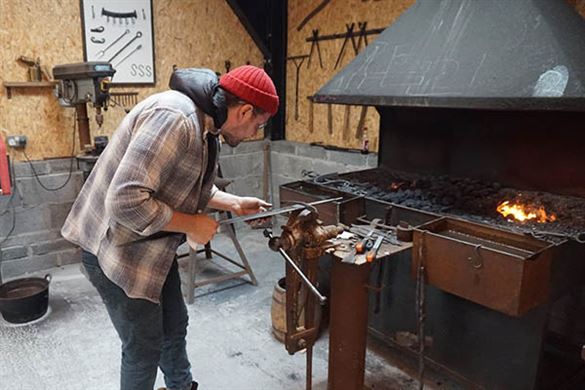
pixel 187 33
pixel 333 19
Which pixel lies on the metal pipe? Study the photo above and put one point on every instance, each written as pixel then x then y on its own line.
pixel 309 372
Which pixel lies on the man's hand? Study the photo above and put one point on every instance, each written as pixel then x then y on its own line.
pixel 201 229
pixel 239 205
pixel 247 205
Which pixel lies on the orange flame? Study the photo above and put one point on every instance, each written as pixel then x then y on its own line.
pixel 522 212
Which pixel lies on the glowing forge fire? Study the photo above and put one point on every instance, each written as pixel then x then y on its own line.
pixel 523 212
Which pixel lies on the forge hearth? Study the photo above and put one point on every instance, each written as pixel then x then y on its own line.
pixel 480 103
pixel 465 198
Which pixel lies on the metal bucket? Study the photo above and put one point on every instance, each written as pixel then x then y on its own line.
pixel 24 300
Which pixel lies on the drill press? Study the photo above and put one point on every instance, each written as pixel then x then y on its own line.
pixel 82 83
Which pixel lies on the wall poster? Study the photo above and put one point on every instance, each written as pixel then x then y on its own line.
pixel 120 32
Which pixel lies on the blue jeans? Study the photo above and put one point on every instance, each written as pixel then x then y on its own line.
pixel 152 335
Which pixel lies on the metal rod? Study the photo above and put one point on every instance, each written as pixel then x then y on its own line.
pixel 274 212
pixel 303 277
pixel 309 372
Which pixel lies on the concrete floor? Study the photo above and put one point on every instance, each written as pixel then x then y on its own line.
pixel 230 343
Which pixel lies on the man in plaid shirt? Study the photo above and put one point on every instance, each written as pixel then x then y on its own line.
pixel 146 193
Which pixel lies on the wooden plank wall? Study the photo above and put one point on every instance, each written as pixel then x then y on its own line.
pixel 187 33
pixel 333 19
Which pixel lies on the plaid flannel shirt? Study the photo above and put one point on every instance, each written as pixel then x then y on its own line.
pixel 154 164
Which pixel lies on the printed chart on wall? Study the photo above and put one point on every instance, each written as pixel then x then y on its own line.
pixel 120 32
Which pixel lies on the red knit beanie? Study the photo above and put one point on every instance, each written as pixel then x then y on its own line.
pixel 253 85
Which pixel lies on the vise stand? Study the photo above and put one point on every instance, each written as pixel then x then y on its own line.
pixel 302 242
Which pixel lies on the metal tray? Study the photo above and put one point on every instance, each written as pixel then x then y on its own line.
pixel 504 271
pixel 343 211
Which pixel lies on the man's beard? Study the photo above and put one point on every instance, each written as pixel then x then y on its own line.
pixel 230 141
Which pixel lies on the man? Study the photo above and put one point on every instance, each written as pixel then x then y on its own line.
pixel 146 193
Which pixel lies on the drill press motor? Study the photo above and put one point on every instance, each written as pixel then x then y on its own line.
pixel 81 83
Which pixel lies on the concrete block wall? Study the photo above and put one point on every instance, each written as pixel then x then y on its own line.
pixel 243 165
pixel 36 243
pixel 290 159
pixel 37 215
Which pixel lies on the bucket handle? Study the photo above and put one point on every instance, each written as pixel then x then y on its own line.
pixel 48 278
pixel 475 259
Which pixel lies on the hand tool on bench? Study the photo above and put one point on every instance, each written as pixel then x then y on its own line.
pixel 362 232
pixel 360 246
pixel 373 253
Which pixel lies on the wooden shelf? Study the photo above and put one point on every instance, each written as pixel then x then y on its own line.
pixel 9 85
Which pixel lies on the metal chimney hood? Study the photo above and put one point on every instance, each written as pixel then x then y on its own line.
pixel 479 54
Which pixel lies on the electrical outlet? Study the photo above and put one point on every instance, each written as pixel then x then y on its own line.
pixel 16 141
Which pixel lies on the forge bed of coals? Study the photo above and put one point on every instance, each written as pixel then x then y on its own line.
pixel 467 198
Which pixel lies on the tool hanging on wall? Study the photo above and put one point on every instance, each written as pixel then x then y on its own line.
pixel 348 36
pixel 312 14
pixel 36 71
pixel 359 133
pixel 315 42
pixel 125 100
pixel 362 36
pixel 330 119
pixel 343 35
pixel 346 116
pixel 298 61
pixel 311 113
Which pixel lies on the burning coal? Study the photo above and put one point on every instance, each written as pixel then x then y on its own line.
pixel 525 212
